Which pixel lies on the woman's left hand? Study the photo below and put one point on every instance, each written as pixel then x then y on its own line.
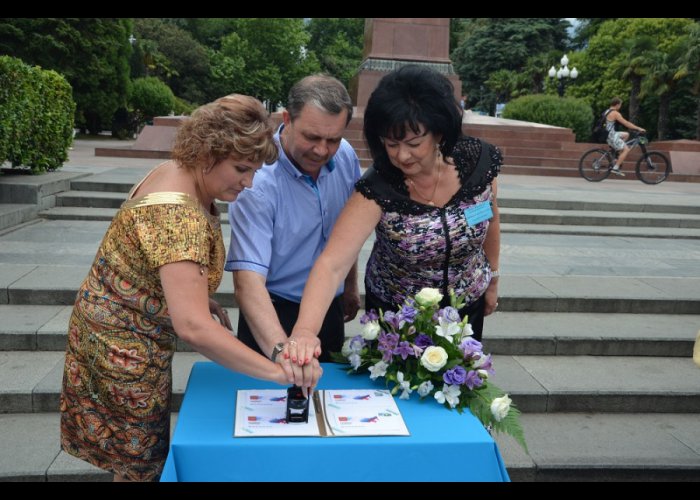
pixel 491 298
pixel 222 315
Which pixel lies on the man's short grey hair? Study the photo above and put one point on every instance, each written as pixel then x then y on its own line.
pixel 322 91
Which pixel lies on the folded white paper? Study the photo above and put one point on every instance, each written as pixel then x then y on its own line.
pixel 349 412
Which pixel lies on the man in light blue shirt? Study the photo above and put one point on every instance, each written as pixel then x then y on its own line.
pixel 281 225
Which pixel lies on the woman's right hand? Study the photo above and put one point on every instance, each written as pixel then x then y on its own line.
pixel 305 376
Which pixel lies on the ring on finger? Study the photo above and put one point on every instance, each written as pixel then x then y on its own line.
pixel 293 342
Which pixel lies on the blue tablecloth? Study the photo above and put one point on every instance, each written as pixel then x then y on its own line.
pixel 443 445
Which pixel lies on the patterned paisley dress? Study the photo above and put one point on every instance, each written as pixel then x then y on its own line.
pixel 115 399
pixel 420 246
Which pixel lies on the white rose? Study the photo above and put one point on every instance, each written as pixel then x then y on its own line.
pixel 434 358
pixel 371 330
pixel 428 297
pixel 500 407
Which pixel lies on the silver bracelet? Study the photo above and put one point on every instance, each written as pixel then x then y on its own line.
pixel 495 273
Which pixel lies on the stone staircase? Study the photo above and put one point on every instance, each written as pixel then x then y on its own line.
pixel 531 149
pixel 599 310
pixel 528 148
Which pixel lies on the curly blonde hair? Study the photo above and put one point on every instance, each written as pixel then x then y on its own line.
pixel 232 126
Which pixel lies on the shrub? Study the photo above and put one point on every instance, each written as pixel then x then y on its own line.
pixel 569 112
pixel 36 116
pixel 150 97
pixel 183 107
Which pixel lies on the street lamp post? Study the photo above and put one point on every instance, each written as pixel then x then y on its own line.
pixel 562 74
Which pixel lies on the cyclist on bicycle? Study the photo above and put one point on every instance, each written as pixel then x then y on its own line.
pixel 616 140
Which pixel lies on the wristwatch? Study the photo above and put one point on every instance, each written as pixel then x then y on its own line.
pixel 279 347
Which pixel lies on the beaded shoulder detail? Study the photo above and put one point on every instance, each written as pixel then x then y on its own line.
pixel 170 198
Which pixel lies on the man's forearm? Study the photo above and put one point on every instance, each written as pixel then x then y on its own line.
pixel 255 304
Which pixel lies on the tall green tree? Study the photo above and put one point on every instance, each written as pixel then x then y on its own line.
pixel 172 54
pixel 611 62
pixel 337 43
pixel 586 28
pixel 493 44
pixel 634 65
pixel 263 58
pixel 91 53
pixel 663 80
pixel 208 31
pixel 690 67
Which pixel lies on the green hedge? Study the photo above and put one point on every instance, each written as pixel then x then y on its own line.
pixel 36 116
pixel 568 112
pixel 149 97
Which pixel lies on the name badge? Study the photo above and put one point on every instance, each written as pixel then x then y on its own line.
pixel 478 213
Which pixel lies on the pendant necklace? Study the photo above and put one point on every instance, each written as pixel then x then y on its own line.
pixel 432 196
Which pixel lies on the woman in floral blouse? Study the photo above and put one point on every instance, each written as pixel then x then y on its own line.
pixel 430 197
pixel 151 281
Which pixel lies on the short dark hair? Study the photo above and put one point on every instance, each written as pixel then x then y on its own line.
pixel 615 101
pixel 323 91
pixel 409 97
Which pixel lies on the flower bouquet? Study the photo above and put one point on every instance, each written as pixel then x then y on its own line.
pixel 429 350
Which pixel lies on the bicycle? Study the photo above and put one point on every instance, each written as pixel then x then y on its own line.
pixel 653 167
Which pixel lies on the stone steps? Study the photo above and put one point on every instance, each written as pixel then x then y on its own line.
pixel 569 221
pixel 100 205
pixel 57 285
pixel 602 447
pixel 563 447
pixel 44 328
pixel 537 384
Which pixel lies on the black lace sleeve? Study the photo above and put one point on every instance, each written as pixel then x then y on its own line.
pixel 466 158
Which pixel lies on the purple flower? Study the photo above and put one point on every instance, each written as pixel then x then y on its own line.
pixel 450 314
pixel 485 363
pixel 357 343
pixel 404 350
pixel 470 347
pixel 455 376
pixel 423 341
pixel 392 319
pixel 407 314
pixel 370 315
pixel 387 343
pixel 473 380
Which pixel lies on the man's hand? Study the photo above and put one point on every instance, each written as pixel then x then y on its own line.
pixel 222 315
pixel 350 301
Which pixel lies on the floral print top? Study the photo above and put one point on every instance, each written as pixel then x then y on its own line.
pixel 420 246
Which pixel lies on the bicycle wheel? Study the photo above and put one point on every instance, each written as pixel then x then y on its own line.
pixel 595 165
pixel 653 168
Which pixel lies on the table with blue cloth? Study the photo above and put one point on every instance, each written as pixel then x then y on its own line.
pixel 443 445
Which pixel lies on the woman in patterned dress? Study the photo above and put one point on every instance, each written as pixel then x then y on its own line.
pixel 159 262
pixel 430 197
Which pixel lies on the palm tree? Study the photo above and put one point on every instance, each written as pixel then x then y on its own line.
pixel 635 66
pixel 690 67
pixel 663 78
